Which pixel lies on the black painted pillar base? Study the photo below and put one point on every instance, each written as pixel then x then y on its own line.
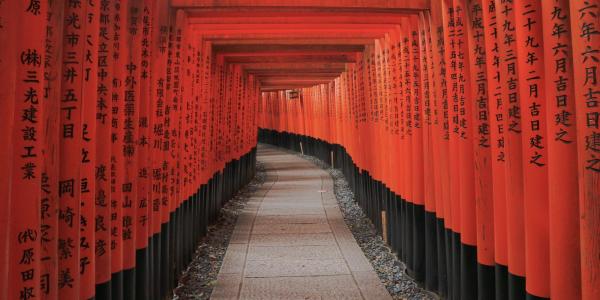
pixel 486 288
pixel 117 286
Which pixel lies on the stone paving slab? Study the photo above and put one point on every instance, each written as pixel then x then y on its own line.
pixel 291 241
pixel 315 287
pixel 306 239
pixel 293 219
pixel 295 267
pixel 290 228
pixel 293 252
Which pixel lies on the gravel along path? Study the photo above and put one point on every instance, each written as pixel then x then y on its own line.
pixel 197 281
pixel 390 270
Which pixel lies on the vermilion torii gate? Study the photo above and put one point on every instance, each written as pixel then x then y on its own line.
pixel 472 125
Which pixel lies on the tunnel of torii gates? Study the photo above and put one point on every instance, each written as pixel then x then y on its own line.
pixel 469 131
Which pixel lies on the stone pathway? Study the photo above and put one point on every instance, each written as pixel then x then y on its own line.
pixel 291 242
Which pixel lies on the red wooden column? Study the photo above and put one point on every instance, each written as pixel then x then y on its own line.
pixel 7 92
pixel 417 173
pixel 196 43
pixel 371 98
pixel 129 114
pixel 482 156
pixel 221 125
pixel 395 84
pixel 416 95
pixel 453 213
pixel 429 110
pixel 184 159
pixel 7 85
pixel 215 103
pixel 204 103
pixel 174 142
pixel 561 138
pixel 399 144
pixel 70 138
pixel 428 116
pixel 144 168
pixel 392 116
pixel 512 111
pixel 166 166
pixel 374 129
pixel 51 109
pixel 87 261
pixel 24 233
pixel 158 198
pixel 440 143
pixel 530 57
pixel 120 50
pixel 497 121
pixel 380 105
pixel 193 70
pixel 160 40
pixel 103 193
pixel 387 94
pixel 368 106
pixel 468 233
pixel 442 135
pixel 586 44
pixel 407 155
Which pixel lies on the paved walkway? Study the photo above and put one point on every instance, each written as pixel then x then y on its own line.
pixel 291 241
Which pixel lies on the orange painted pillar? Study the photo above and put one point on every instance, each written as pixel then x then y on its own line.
pixel 24 233
pixel 453 212
pixel 167 173
pixel 204 115
pixel 186 171
pixel 390 112
pixel 71 138
pixel 51 109
pixel 468 232
pixel 129 114
pixel 482 155
pixel 144 169
pixel 7 92
pixel 586 44
pixel 408 154
pixel 417 174
pixel 530 57
pixel 103 177
pixel 395 83
pixel 561 138
pixel 512 112
pixel 117 167
pixel 438 17
pixel 416 107
pixel 166 168
pixel 497 121
pixel 87 261
pixel 158 198
pixel 175 143
pixel 429 120
pixel 380 108
pixel 440 143
pixel 368 124
pixel 152 149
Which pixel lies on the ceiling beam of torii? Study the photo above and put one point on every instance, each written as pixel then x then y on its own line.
pixel 294 43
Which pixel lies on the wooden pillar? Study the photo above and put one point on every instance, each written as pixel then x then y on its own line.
pixel 586 44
